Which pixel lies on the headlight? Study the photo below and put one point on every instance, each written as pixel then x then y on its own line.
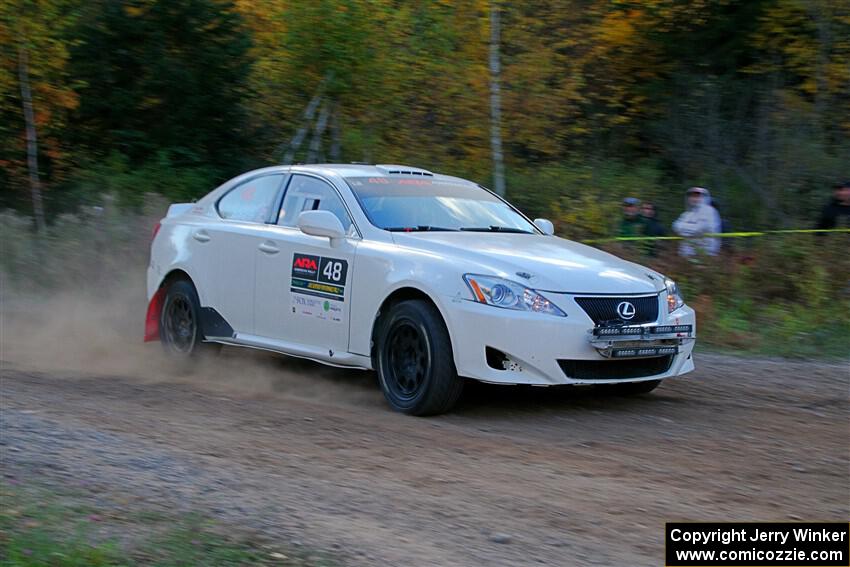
pixel 509 295
pixel 674 298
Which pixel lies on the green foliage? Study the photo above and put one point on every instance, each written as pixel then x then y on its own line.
pixel 116 176
pixel 39 527
pixel 40 30
pixel 583 199
pixel 163 76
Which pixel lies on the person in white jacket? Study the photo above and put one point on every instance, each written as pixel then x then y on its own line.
pixel 699 218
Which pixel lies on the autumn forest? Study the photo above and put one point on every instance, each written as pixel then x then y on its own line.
pixel 597 100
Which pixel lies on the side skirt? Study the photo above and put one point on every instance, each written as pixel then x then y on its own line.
pixel 216 329
pixel 341 360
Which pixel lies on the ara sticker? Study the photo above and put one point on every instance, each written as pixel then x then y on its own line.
pixel 319 276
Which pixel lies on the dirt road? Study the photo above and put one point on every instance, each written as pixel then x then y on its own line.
pixel 514 476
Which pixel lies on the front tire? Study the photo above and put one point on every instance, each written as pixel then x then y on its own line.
pixel 415 363
pixel 180 322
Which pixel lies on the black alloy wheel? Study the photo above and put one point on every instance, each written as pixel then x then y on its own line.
pixel 414 359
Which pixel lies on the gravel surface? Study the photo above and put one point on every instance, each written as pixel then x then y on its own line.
pixel 515 476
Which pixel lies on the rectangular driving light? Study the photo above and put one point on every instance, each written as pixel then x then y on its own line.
pixel 641 331
pixel 643 352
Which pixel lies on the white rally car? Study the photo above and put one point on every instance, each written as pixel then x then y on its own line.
pixel 427 279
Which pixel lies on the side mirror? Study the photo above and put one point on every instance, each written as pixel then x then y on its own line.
pixel 545 225
pixel 321 223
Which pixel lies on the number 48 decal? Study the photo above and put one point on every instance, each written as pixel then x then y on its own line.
pixel 333 271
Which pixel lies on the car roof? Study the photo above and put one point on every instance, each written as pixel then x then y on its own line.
pixel 376 170
pixel 329 169
pixel 363 169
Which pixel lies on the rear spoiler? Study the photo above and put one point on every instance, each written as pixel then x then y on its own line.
pixel 178 209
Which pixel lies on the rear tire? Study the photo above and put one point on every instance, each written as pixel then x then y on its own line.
pixel 415 362
pixel 631 388
pixel 180 322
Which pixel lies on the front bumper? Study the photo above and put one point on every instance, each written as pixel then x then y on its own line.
pixel 545 350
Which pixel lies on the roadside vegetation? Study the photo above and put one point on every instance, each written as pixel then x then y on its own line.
pixel 780 295
pixel 43 527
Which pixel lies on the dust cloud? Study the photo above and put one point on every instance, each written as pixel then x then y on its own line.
pixel 96 332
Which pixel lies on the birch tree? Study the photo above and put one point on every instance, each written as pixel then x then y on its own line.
pixel 496 102
pixel 32 139
pixel 35 100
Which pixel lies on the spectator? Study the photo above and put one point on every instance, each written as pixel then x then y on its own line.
pixel 651 226
pixel 725 244
pixel 650 220
pixel 700 218
pixel 837 213
pixel 632 223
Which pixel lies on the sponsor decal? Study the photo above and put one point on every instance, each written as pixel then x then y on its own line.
pixel 333 271
pixel 305 266
pixel 317 286
pixel 317 308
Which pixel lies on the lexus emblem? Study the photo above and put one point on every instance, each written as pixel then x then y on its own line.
pixel 626 310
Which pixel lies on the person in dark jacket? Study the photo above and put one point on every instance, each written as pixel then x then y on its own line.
pixel 837 213
pixel 632 223
pixel 651 227
pixel 650 220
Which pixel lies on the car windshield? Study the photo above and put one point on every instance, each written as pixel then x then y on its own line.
pixel 434 205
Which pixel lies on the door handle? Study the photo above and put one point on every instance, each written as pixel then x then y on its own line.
pixel 201 236
pixel 269 248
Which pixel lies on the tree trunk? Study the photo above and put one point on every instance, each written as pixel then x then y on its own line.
pixel 336 135
pixel 300 134
pixel 32 140
pixel 315 154
pixel 496 102
pixel 309 111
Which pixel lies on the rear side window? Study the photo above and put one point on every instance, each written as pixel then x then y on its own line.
pixel 251 201
pixel 310 194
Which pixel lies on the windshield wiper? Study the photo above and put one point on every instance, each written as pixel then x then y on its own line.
pixel 419 228
pixel 496 228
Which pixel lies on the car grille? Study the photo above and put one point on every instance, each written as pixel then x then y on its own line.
pixel 615 369
pixel 604 309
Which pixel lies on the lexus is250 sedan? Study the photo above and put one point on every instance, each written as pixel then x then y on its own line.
pixel 428 279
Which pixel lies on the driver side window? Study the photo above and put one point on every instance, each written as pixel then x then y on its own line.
pixel 307 193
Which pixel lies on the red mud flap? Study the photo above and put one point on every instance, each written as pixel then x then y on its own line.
pixel 152 318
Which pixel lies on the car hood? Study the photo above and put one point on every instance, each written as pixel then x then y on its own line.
pixel 550 263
